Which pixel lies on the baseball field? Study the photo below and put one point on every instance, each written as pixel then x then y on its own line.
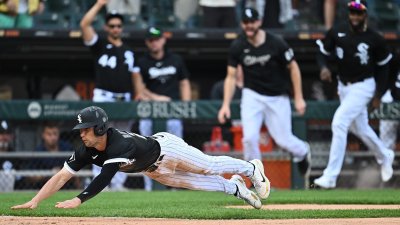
pixel 197 207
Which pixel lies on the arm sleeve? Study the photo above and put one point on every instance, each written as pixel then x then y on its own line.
pixel 183 71
pixel 234 54
pixel 326 47
pixel 100 182
pixel 77 160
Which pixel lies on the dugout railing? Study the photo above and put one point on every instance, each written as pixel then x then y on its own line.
pixel 200 118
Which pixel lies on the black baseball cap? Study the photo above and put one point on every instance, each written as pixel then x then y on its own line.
pixel 113 14
pixel 357 5
pixel 154 32
pixel 250 14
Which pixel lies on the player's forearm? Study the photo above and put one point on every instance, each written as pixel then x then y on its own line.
pixel 88 18
pixel 52 186
pixel 229 86
pixel 295 76
pixel 185 90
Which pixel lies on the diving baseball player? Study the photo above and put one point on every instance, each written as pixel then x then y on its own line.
pixel 163 157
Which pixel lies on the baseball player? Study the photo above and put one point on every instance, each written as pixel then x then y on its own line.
pixel 265 59
pixel 164 77
pixel 361 53
pixel 163 157
pixel 114 67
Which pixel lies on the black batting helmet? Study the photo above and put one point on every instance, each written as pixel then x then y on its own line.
pixel 95 117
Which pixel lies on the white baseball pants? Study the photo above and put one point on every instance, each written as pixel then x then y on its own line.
pixel 184 166
pixel 275 112
pixel 352 115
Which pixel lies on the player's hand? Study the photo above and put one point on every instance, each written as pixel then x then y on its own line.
pixel 162 98
pixel 375 103
pixel 69 204
pixel 325 74
pixel 300 106
pixel 223 114
pixel 29 205
pixel 102 2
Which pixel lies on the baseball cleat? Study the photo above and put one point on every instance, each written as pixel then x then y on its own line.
pixel 259 180
pixel 325 182
pixel 386 167
pixel 244 193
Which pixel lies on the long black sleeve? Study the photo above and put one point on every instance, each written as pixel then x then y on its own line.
pixel 100 182
pixel 381 78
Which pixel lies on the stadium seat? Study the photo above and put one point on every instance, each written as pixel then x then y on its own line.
pixel 50 20
pixel 161 14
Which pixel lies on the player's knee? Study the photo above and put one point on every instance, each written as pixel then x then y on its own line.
pixel 338 126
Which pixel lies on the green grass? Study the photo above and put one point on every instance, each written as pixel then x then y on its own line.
pixel 205 205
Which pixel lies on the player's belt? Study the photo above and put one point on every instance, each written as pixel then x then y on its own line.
pixel 347 81
pixel 155 165
pixel 116 96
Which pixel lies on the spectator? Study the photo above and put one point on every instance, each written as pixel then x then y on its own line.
pixel 51 143
pixel 219 13
pixel 124 7
pixel 162 76
pixel 361 55
pixel 113 63
pixel 185 11
pixel 268 67
pixel 19 13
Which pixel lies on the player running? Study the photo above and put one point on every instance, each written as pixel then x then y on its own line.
pixel 361 53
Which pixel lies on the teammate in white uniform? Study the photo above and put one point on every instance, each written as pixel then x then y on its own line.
pixel 268 66
pixel 163 157
pixel 361 53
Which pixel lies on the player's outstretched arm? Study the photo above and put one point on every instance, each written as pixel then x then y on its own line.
pixel 87 20
pixel 52 186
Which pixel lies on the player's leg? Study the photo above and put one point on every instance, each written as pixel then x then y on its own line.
pixel 180 179
pixel 278 119
pixel 175 127
pixel 251 115
pixel 146 127
pixel 179 156
pixel 384 156
pixel 354 99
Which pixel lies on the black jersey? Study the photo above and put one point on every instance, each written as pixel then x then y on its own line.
pixel 132 152
pixel 264 67
pixel 113 65
pixel 357 54
pixel 163 76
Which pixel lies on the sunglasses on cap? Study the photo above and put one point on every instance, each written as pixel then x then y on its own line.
pixel 357 6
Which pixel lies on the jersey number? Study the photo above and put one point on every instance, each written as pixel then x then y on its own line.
pixel 108 61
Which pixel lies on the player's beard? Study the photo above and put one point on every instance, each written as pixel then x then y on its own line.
pixel 255 31
pixel 359 26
